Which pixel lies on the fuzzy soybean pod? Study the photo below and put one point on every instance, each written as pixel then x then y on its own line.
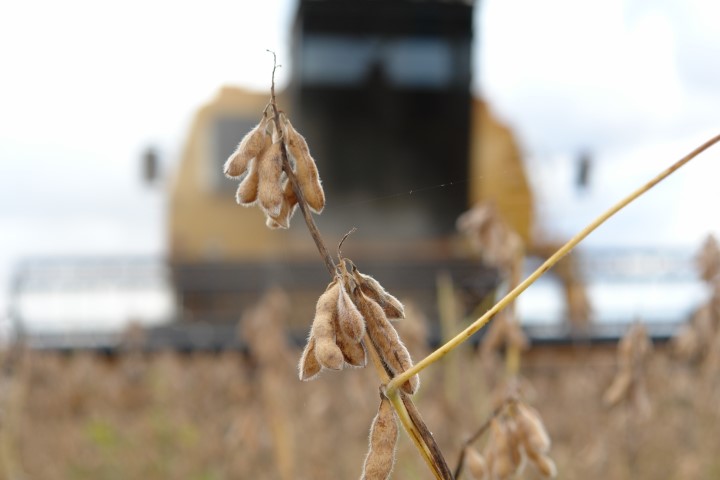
pixel 353 351
pixel 531 430
pixel 489 454
pixel 372 288
pixel 287 209
pixel 305 169
pixel 350 330
pixel 249 147
pixel 323 329
pixel 515 440
pixel 535 439
pixel 350 320
pixel 475 464
pixel 387 341
pixel 247 192
pixel 309 367
pixel 620 387
pixel 503 466
pixel 270 192
pixel 543 463
pixel 380 459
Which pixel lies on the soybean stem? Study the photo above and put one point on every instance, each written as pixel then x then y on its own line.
pixel 314 232
pixel 413 424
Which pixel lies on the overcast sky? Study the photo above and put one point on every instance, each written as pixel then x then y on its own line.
pixel 636 84
pixel 86 86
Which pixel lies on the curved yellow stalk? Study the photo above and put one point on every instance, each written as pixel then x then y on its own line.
pixel 564 250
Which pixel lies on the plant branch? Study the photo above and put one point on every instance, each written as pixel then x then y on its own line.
pixel 406 410
pixel 549 263
pixel 314 232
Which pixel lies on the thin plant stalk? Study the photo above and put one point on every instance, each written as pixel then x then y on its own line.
pixel 549 263
pixel 417 431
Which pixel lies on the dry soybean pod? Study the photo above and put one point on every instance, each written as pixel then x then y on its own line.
pixel 309 367
pixel 531 429
pixel 247 192
pixel 306 170
pixel 392 306
pixel 249 147
pixel 380 458
pixel 350 320
pixel 270 192
pixel 353 351
pixel 287 209
pixel 543 463
pixel 475 464
pixel 503 466
pixel 323 329
pixel 515 440
pixel 386 340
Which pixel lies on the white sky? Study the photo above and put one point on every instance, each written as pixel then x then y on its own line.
pixel 637 84
pixel 85 86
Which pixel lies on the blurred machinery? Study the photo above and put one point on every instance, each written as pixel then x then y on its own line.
pixel 381 90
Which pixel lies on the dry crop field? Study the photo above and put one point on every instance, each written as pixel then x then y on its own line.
pixel 639 413
pixel 231 415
